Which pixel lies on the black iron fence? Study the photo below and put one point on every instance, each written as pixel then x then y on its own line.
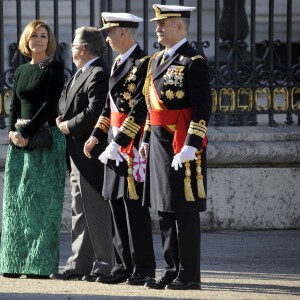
pixel 252 48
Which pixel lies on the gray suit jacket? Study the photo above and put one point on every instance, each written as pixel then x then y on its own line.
pixel 85 101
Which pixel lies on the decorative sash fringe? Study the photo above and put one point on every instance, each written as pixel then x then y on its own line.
pixel 188 193
pixel 130 180
pixel 200 185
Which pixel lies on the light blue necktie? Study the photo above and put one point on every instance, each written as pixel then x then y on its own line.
pixel 166 55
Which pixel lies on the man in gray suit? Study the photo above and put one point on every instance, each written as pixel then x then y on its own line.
pixel 92 248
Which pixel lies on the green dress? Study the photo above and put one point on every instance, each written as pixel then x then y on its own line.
pixel 34 179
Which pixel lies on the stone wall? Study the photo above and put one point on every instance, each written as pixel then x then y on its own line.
pixel 253 179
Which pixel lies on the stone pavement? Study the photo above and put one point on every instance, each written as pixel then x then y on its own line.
pixel 235 265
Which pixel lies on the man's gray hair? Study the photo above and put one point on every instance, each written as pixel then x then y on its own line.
pixel 133 32
pixel 93 38
pixel 186 22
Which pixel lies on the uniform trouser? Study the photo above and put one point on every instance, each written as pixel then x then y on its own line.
pixel 92 247
pixel 180 233
pixel 132 238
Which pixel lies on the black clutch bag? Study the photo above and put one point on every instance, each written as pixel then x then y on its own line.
pixel 41 139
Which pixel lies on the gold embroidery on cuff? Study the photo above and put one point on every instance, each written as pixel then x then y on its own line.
pixel 129 127
pixel 198 129
pixel 103 123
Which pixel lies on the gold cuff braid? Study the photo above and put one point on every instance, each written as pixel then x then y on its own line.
pixel 198 129
pixel 103 123
pixel 129 127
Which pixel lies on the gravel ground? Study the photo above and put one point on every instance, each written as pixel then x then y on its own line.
pixel 235 265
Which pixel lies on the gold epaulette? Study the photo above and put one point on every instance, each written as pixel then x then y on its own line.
pixel 196 57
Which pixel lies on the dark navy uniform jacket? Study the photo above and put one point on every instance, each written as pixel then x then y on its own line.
pixel 125 90
pixel 181 81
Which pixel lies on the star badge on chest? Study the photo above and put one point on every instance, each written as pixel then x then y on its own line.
pixel 170 94
pixel 179 94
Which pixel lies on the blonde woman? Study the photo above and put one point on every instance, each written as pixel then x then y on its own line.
pixel 34 178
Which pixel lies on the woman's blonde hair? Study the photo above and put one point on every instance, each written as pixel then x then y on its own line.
pixel 25 37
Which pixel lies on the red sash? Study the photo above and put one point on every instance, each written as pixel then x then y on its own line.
pixel 180 117
pixel 161 116
pixel 117 119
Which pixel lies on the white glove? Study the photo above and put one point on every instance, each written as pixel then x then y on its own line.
pixel 112 152
pixel 176 162
pixel 186 153
pixel 119 159
pixel 103 158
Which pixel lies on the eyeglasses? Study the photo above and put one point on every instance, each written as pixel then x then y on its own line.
pixel 78 45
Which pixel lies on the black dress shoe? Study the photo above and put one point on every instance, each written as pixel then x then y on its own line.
pixel 66 276
pixel 179 285
pixel 159 284
pixel 138 279
pixel 11 275
pixel 91 277
pixel 33 276
pixel 112 278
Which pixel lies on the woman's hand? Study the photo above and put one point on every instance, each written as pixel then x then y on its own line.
pixel 17 139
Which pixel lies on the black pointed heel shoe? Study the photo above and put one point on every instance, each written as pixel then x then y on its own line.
pixel 11 275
